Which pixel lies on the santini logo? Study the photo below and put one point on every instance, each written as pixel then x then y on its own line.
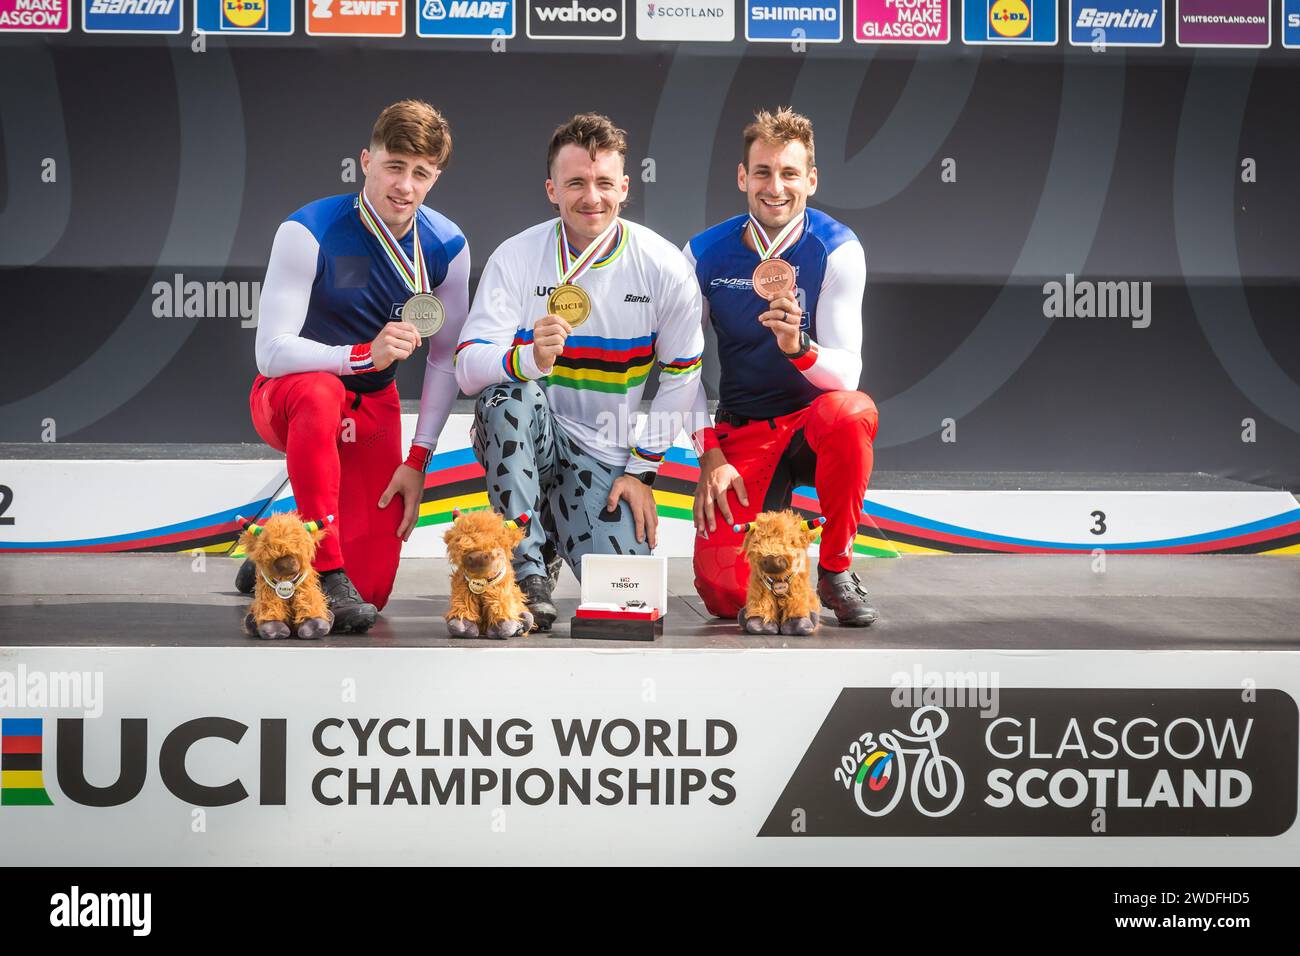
pixel 128 7
pixel 1130 18
pixel 577 14
pixel 103 909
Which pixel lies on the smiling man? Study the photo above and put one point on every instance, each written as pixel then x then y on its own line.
pixel 330 334
pixel 585 305
pixel 783 288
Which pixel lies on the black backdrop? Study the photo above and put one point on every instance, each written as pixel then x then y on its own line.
pixel 1123 165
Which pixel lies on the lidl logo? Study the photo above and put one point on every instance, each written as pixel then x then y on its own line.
pixel 22 780
pixel 1030 22
pixel 265 17
pixel 132 16
pixel 465 18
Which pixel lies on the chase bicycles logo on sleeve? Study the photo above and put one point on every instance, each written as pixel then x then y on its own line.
pixel 132 16
pixel 465 18
pixel 1018 22
pixel 1224 23
pixel 787 21
pixel 1117 22
pixel 1291 23
pixel 265 17
pixel 1118 762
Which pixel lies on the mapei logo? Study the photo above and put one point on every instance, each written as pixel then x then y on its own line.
pixel 576 19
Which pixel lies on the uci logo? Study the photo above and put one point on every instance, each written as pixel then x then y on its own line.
pixel 1009 18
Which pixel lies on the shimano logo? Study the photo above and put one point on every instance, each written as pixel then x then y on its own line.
pixel 1131 18
pixel 633 297
pixel 577 14
pixel 822 14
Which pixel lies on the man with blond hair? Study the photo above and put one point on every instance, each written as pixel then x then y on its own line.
pixel 783 288
pixel 586 305
pixel 347 278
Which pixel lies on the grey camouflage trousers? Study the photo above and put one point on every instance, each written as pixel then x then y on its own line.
pixel 531 464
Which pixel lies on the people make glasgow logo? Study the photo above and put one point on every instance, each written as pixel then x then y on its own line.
pixel 1113 762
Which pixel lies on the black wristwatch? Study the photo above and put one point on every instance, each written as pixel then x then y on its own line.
pixel 805 345
pixel 646 478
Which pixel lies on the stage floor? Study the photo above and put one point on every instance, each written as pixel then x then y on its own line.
pixel 1032 602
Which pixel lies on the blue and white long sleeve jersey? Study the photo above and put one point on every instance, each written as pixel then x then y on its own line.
pixel 329 289
pixel 757 379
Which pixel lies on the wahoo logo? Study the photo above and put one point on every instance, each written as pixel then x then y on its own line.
pixel 22 781
pixel 576 19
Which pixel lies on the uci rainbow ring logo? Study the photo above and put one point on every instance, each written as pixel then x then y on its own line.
pixel 876 771
pixel 1009 18
pixel 243 13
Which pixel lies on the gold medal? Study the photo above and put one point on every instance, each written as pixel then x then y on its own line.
pixel 425 312
pixel 570 303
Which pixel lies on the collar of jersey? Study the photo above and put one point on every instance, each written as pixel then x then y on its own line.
pixel 619 245
pixel 803 232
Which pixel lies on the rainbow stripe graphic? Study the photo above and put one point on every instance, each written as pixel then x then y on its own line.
pixel 455 479
pixel 22 783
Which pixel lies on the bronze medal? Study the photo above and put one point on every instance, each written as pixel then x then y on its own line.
pixel 425 312
pixel 570 303
pixel 774 278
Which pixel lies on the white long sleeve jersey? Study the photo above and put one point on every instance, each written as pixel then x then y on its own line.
pixel 645 312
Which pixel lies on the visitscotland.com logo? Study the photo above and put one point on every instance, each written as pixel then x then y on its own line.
pixel 22 780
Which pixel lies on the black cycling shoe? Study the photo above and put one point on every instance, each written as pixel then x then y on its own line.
pixel 537 595
pixel 553 563
pixel 246 577
pixel 843 593
pixel 351 614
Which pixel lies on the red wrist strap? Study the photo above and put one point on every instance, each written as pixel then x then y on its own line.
pixel 359 360
pixel 706 439
pixel 419 458
pixel 806 361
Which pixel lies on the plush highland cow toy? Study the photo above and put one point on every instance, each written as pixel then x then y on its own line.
pixel 287 598
pixel 485 599
pixel 780 595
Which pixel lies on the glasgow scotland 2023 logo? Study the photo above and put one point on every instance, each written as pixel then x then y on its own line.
pixel 1049 762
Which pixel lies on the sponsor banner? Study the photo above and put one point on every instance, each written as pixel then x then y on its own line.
pixel 686 20
pixel 1291 23
pixel 132 16
pixel 254 17
pixel 1015 22
pixel 35 16
pixel 1117 22
pixel 377 755
pixel 465 18
pixel 902 21
pixel 1224 23
pixel 784 21
pixel 356 18
pixel 576 19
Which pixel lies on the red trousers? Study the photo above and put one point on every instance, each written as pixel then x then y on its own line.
pixel 827 445
pixel 341 450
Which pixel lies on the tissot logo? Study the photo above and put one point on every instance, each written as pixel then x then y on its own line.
pixel 1113 762
pixel 576 19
